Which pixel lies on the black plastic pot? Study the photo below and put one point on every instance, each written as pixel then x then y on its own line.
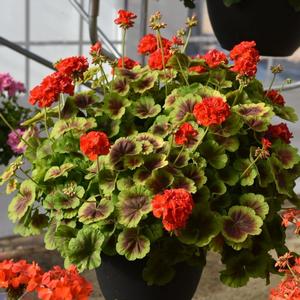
pixel 272 24
pixel 120 279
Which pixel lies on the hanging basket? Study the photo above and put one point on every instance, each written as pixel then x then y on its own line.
pixel 273 24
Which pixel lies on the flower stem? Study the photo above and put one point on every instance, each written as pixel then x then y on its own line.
pixel 45 119
pixel 238 94
pixel 163 57
pixel 204 134
pixel 180 152
pixel 250 166
pixel 187 40
pixel 59 106
pixel 182 73
pixel 123 46
pixel 98 171
pixel 13 130
pixel 29 177
pixel 272 82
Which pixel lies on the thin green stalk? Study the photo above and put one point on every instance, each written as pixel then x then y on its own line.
pixel 180 152
pixel 250 166
pixel 123 46
pixel 103 73
pixel 59 106
pixel 29 177
pixel 187 40
pixel 45 120
pixel 204 134
pixel 163 57
pixel 13 130
pixel 99 178
pixel 182 73
pixel 238 94
pixel 272 82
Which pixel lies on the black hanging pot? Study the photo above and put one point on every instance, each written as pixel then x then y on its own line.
pixel 121 279
pixel 273 24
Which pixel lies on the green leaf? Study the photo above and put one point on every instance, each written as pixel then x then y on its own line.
pixel 22 201
pixel 120 85
pixel 49 238
pixel 241 165
pixel 230 127
pixel 256 202
pixel 11 186
pixel 92 212
pixel 154 231
pixel 241 222
pixel 133 205
pixel 234 277
pixel 115 105
pixel 159 181
pixel 132 244
pixel 55 171
pixel 203 225
pixel 10 171
pixel 161 126
pixel 181 182
pixel 145 108
pixel 286 154
pixel 230 143
pixel 65 232
pixel 107 181
pixel 179 61
pixel 229 175
pixel 196 174
pixel 84 250
pixel 286 112
pixel 145 83
pixel 214 154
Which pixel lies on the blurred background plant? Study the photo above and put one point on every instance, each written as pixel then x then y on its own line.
pixel 10 91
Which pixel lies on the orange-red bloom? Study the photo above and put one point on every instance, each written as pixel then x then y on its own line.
pixel 275 97
pixel 174 207
pixel 73 66
pixel 185 133
pixel 155 60
pixel 197 69
pixel 125 19
pixel 214 58
pixel 149 43
pixel 128 63
pixel 211 111
pixel 245 58
pixel 60 284
pixel 95 49
pixel 50 88
pixel 94 143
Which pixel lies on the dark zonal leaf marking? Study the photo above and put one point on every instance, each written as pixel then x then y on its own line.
pixel 123 147
pixel 91 212
pixel 121 86
pixel 241 222
pixel 132 205
pixel 159 181
pixel 132 244
pixel 256 202
pixel 19 205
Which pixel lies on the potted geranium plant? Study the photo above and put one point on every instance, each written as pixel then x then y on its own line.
pixel 14 113
pixel 173 159
pixel 272 24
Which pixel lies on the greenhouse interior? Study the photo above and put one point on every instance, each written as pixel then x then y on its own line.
pixel 149 149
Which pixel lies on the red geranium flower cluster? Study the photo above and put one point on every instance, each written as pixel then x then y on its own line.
pixel 19 275
pixel 211 111
pixel 94 143
pixel 57 284
pixel 279 131
pixel 156 61
pixel 125 19
pixel 214 58
pixel 60 284
pixel 149 44
pixel 197 69
pixel 291 216
pixel 174 207
pixel 95 49
pixel 289 288
pixel 50 88
pixel 128 63
pixel 184 134
pixel 73 66
pixel 177 41
pixel 245 58
pixel 275 97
